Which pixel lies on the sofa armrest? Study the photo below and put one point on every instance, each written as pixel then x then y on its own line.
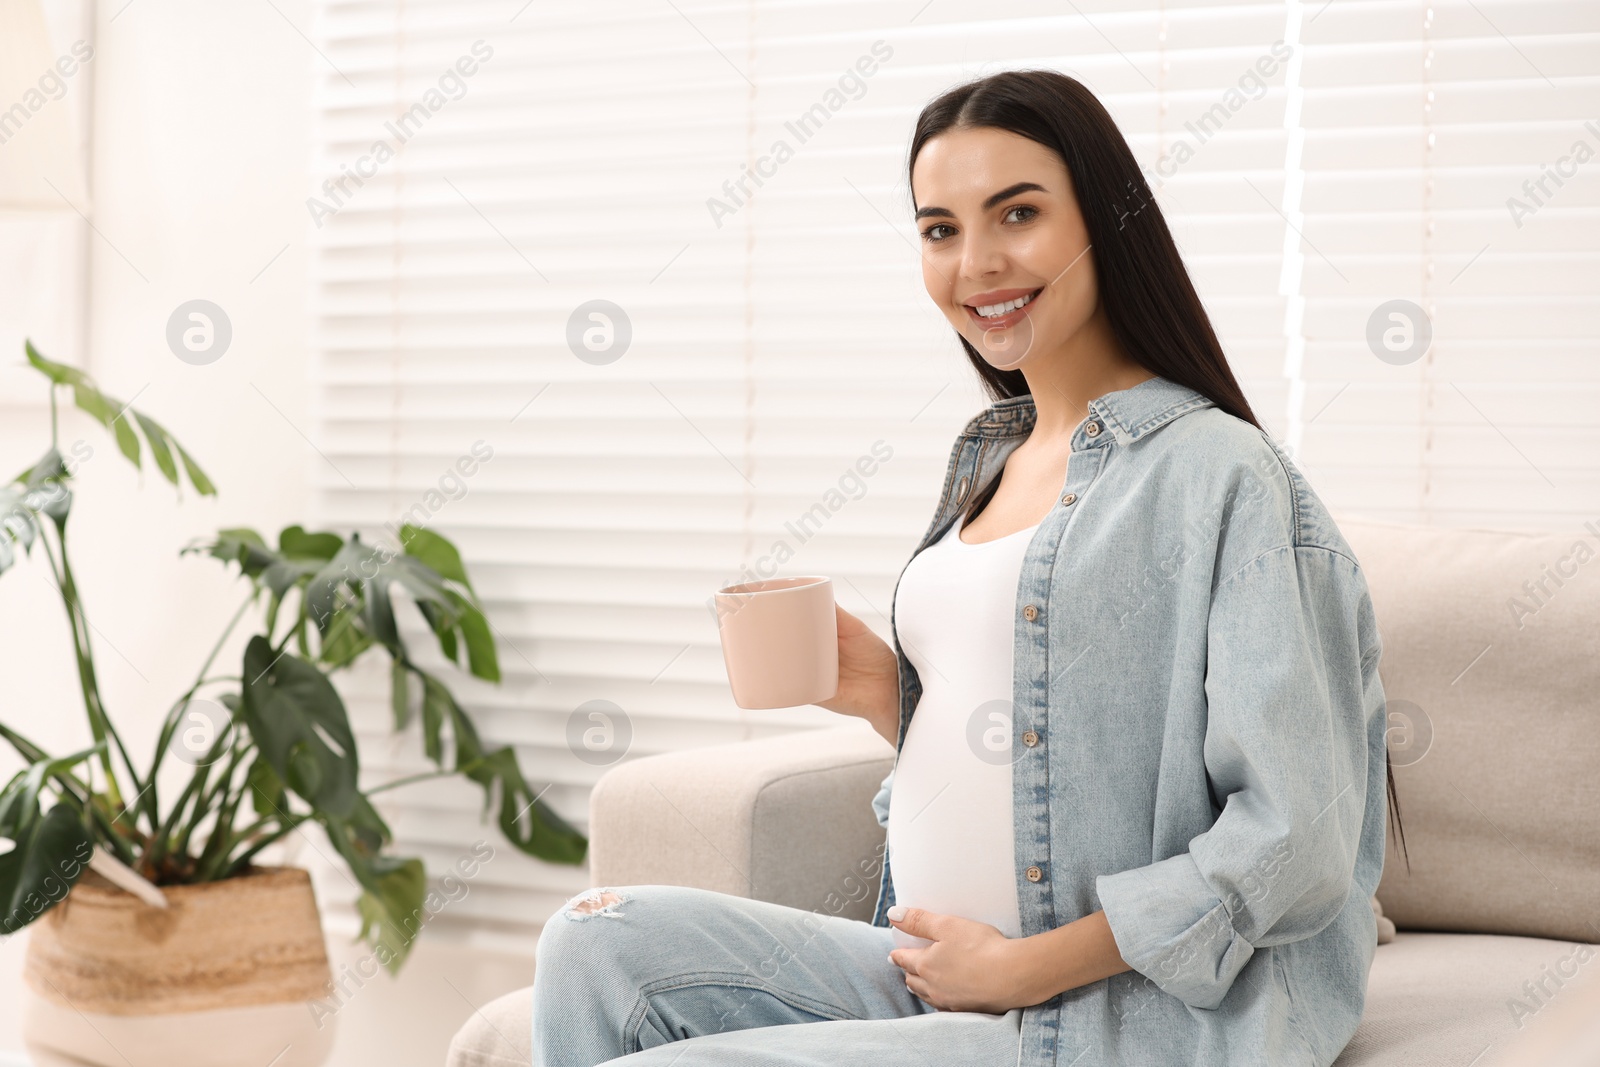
pixel 786 819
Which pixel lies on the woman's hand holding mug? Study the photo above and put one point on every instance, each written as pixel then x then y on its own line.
pixel 869 677
pixel 786 643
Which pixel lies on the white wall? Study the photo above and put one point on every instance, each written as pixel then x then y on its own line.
pixel 199 161
pixel 198 171
pixel 201 127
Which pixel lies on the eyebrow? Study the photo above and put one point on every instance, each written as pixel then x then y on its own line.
pixel 1004 194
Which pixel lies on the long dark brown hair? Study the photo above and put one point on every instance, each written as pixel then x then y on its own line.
pixel 1150 302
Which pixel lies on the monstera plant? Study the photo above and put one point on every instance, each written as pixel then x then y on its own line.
pixel 269 747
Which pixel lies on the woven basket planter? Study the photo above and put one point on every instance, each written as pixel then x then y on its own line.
pixel 225 975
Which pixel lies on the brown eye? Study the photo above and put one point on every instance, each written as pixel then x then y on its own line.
pixel 1031 212
pixel 932 234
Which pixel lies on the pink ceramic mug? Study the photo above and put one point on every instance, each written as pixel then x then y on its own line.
pixel 780 641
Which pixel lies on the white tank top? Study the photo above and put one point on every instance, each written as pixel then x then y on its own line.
pixel 950 827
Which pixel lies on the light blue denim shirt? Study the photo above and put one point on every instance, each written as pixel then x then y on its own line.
pixel 1197 737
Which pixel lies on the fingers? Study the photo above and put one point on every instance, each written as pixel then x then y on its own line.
pixel 914 921
pixel 915 982
pixel 847 625
pixel 920 990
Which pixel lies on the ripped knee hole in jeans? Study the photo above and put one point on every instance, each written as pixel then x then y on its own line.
pixel 596 901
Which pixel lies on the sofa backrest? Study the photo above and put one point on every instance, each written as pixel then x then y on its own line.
pixel 1491 670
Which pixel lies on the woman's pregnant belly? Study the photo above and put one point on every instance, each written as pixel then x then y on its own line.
pixel 950 814
pixel 951 829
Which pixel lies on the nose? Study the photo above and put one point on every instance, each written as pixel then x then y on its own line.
pixel 982 256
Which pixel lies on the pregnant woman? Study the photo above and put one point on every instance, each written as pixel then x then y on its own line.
pixel 1138 806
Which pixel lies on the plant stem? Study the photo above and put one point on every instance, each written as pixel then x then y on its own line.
pixel 99 723
pixel 80 792
pixel 200 678
pixel 33 754
pixel 202 805
pixel 206 802
pixel 217 843
pixel 244 858
pixel 169 725
pixel 424 776
pixel 221 866
pixel 161 841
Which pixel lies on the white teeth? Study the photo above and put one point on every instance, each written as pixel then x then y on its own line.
pixel 990 311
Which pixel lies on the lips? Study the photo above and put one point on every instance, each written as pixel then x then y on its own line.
pixel 998 298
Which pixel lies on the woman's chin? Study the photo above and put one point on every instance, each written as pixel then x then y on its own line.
pixel 1004 349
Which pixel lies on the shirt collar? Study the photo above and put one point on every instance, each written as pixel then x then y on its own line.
pixel 1129 413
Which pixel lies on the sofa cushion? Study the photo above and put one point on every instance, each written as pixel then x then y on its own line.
pixel 1441 1000
pixel 499 1034
pixel 1491 663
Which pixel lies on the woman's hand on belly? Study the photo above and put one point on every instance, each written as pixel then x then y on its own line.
pixel 971 966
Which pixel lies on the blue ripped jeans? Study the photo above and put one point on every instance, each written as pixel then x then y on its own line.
pixel 652 975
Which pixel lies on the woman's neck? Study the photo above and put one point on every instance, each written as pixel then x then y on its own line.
pixel 1088 365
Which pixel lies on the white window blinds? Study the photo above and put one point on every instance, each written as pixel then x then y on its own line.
pixel 1450 166
pixel 728 179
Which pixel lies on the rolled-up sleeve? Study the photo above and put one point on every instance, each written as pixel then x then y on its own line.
pixel 1291 689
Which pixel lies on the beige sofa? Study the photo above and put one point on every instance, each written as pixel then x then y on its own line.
pixel 1491 666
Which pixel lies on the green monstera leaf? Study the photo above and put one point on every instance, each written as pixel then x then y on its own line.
pixel 44 853
pixel 529 824
pixel 120 419
pixel 392 906
pixel 438 554
pixel 38 494
pixel 300 725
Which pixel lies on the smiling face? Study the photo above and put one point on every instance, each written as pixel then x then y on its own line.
pixel 1005 252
